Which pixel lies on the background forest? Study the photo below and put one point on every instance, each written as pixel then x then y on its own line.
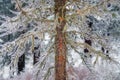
pixel 59 40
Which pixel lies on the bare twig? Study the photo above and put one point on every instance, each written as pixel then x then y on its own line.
pixel 48 73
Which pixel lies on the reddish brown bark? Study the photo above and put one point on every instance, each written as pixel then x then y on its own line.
pixel 60 57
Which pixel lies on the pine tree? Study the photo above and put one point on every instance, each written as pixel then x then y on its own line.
pixel 65 23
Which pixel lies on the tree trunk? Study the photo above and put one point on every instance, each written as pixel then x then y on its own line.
pixel 21 63
pixel 60 57
pixel 36 51
pixel 36 55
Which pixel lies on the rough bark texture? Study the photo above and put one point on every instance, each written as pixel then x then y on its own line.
pixel 60 57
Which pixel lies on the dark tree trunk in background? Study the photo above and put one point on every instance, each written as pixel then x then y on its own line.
pixel 36 51
pixel 60 56
pixel 21 63
pixel 36 55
